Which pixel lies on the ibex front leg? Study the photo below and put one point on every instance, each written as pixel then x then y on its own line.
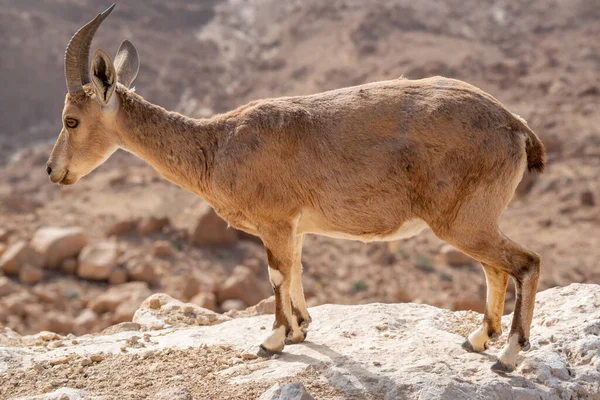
pixel 280 246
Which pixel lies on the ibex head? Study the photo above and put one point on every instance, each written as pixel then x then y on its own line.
pixel 88 136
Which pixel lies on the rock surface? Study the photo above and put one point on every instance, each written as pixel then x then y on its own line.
pixel 387 351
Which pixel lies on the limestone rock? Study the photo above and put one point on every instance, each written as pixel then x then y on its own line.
pixel 56 244
pixel 394 351
pixel 291 391
pixel 97 261
pixel 243 285
pixel 210 229
pixel 18 254
pixel 455 257
pixel 64 394
pixel 161 309
pixel 54 321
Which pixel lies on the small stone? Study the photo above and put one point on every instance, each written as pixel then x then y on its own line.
pixel 377 363
pixel 30 275
pixel 248 356
pixel 97 261
pixel 48 336
pixel 86 361
pixel 139 270
pixel 154 303
pixel 162 248
pixel 97 357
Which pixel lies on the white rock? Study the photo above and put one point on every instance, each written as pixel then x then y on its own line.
pixel 64 394
pixel 418 356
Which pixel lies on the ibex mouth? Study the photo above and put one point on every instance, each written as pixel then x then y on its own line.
pixel 65 180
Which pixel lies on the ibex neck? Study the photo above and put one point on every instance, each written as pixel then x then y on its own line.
pixel 180 148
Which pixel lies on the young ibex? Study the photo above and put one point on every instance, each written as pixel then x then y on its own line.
pixel 380 161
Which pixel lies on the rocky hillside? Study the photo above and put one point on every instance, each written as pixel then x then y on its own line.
pixel 375 351
pixel 204 57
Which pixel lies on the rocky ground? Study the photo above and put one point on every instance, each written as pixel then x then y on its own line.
pixel 78 259
pixel 374 351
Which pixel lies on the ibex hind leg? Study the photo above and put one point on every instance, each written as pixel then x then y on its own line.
pixel 301 318
pixel 501 257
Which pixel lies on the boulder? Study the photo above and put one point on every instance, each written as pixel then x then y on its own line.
pixel 455 257
pixel 56 244
pixel 97 261
pixel 30 275
pixel 17 255
pixel 244 285
pixel 210 229
pixel 161 309
pixel 182 287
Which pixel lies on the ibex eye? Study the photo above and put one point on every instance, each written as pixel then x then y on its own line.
pixel 71 123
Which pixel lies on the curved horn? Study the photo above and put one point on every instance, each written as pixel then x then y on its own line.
pixel 76 69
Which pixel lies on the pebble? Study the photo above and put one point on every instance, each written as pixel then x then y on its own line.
pixel 97 357
pixel 86 361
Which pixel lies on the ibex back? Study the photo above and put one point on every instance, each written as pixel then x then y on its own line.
pixel 380 161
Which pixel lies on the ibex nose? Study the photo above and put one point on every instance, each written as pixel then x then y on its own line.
pixel 48 169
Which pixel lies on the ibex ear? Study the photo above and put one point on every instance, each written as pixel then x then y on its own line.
pixel 103 76
pixel 127 63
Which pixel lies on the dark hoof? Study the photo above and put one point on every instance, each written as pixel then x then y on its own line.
pixel 468 346
pixel 266 353
pixel 500 368
pixel 526 346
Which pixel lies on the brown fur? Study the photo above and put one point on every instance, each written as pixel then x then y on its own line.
pixel 360 161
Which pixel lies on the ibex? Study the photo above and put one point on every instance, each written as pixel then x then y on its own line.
pixel 380 161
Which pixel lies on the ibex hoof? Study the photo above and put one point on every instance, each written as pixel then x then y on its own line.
pixel 266 353
pixel 526 346
pixel 469 347
pixel 298 339
pixel 501 368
